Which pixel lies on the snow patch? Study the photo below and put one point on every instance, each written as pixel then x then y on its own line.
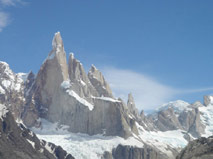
pixel 66 84
pixel 82 146
pixel 107 99
pixel 163 140
pixel 178 106
pixel 83 83
pixel 81 100
pixel 6 83
pixel 3 111
pixel 22 76
pixel 32 143
pixel 206 117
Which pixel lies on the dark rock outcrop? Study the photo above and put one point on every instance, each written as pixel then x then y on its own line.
pixel 18 142
pixel 130 152
pixel 201 148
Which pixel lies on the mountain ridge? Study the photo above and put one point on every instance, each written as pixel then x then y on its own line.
pixel 63 93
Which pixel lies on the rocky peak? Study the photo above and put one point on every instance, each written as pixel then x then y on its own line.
pixel 76 70
pixel 57 42
pixel 58 55
pixel 131 105
pixel 208 100
pixel 81 84
pixel 99 83
pixel 50 76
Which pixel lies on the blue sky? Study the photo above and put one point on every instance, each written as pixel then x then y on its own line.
pixel 164 47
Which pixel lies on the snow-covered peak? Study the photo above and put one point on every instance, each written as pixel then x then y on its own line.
pixel 208 100
pixel 4 63
pixel 5 69
pixel 178 106
pixel 8 79
pixel 22 76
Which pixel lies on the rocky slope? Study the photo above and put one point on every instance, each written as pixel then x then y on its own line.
pixel 201 148
pixel 18 142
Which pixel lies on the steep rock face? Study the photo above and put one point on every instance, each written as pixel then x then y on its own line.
pixel 131 105
pixel 47 84
pixel 129 152
pixel 191 122
pixel 11 90
pixel 99 83
pixel 103 116
pixel 17 142
pixel 180 115
pixel 167 120
pixel 80 82
pixel 65 94
pixel 201 148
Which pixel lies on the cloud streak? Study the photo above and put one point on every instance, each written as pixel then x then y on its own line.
pixel 10 2
pixel 4 20
pixel 148 92
pixel 4 16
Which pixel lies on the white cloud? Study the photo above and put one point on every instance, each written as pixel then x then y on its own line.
pixel 195 90
pixel 10 2
pixel 4 20
pixel 148 92
pixel 4 17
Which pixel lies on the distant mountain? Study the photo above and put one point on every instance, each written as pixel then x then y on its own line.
pixel 69 107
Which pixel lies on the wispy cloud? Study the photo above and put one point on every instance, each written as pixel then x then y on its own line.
pixel 4 20
pixel 11 2
pixel 147 91
pixel 186 91
pixel 4 16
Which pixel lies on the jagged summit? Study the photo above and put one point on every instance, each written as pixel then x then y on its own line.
pixel 131 105
pixel 99 82
pixel 71 55
pixel 93 68
pixel 57 41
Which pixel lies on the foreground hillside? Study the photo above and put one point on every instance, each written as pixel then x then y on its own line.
pixel 18 142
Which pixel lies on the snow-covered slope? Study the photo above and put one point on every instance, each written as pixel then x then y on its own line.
pixel 207 119
pixel 178 106
pixel 9 81
pixel 82 146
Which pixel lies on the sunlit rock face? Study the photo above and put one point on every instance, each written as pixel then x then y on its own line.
pixel 64 93
pixel 99 83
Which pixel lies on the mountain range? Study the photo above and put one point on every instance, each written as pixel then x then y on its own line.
pixel 65 106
